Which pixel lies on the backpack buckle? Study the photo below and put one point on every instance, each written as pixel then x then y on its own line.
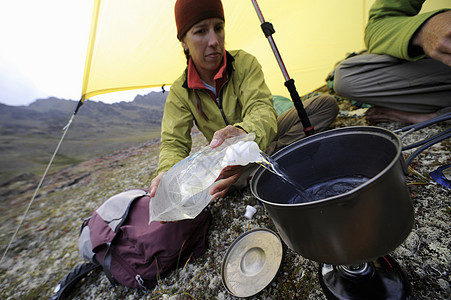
pixel 140 282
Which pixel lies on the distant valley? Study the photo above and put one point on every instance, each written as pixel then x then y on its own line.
pixel 29 134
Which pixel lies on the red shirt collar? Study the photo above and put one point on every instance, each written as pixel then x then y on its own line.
pixel 194 81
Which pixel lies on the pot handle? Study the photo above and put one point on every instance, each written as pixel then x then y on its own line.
pixel 442 136
pixel 422 142
pixel 404 165
pixel 426 143
pixel 423 124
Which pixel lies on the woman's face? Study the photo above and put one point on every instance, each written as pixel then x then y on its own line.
pixel 205 43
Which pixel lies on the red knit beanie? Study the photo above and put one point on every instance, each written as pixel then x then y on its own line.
pixel 189 12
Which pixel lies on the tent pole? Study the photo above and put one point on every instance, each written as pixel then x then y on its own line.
pixel 80 103
pixel 268 30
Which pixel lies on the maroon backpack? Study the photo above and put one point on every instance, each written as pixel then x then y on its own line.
pixel 118 237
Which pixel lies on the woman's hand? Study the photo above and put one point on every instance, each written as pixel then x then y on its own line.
pixel 225 133
pixel 154 184
pixel 153 187
pixel 230 174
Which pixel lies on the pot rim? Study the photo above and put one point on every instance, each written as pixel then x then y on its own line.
pixel 371 130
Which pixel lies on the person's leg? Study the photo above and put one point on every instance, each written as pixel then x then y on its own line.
pixel 378 114
pixel 321 110
pixel 401 91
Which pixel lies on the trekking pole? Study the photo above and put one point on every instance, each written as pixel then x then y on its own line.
pixel 268 30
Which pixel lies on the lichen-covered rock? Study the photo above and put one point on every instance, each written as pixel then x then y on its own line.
pixel 45 248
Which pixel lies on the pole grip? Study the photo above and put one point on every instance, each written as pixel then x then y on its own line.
pixel 267 28
pixel 308 128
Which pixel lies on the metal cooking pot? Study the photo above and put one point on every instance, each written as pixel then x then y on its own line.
pixel 356 226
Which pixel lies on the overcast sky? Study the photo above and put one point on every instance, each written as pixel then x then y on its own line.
pixel 43 49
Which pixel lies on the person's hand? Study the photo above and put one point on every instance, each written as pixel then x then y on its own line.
pixel 154 184
pixel 435 37
pixel 225 133
pixel 153 188
pixel 228 176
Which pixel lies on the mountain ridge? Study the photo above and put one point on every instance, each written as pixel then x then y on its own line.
pixel 29 134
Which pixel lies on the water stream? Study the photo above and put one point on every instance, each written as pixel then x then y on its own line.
pixel 272 166
pixel 317 191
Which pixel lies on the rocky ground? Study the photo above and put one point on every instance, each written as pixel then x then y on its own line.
pixel 45 248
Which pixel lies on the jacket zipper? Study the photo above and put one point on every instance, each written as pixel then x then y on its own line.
pixel 219 100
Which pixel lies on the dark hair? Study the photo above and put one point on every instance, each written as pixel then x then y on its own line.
pixel 186 51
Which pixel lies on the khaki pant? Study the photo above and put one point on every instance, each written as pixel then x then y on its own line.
pixel 422 86
pixel 321 110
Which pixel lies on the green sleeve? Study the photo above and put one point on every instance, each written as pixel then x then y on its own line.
pixel 392 25
pixel 258 113
pixel 175 132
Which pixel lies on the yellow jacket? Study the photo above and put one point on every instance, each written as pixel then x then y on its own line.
pixel 246 103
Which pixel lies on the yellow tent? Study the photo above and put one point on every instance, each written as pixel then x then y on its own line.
pixel 133 43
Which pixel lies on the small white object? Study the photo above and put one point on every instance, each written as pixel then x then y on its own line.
pixel 250 211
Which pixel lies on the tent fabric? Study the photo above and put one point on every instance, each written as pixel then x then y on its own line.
pixel 133 44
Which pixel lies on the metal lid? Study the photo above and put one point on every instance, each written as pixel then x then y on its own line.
pixel 251 262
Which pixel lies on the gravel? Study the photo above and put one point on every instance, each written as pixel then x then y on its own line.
pixel 45 248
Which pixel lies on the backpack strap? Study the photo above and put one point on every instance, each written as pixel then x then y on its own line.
pixel 69 281
pixel 107 266
pixel 84 242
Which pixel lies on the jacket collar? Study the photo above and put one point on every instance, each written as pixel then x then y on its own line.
pixel 193 80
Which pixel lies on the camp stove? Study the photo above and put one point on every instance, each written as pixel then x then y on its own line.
pixel 379 279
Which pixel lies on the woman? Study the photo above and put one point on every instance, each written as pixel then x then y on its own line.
pixel 224 94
